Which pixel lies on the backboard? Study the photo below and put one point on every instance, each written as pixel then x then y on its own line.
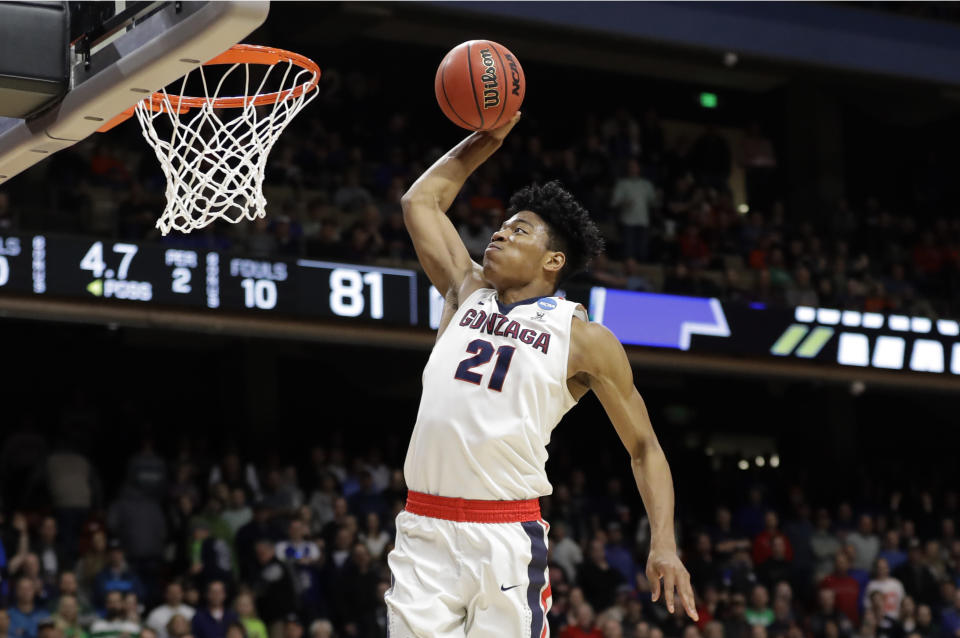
pixel 119 53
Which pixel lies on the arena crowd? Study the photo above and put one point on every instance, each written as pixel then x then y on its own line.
pixel 193 545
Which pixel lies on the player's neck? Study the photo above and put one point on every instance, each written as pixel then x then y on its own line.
pixel 527 291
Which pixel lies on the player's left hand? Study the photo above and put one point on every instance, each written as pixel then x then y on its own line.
pixel 666 564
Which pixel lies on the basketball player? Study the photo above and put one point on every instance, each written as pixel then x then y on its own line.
pixel 510 359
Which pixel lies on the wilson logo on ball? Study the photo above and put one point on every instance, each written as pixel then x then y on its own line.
pixel 491 89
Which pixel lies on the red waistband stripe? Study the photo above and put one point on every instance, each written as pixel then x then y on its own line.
pixel 464 510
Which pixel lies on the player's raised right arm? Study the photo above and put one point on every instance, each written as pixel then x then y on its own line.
pixel 441 251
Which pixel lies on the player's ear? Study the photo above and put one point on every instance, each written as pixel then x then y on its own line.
pixel 554 261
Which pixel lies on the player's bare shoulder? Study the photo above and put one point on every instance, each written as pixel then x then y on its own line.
pixel 593 348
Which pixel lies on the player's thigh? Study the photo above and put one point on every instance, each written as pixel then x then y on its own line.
pixel 512 593
pixel 426 598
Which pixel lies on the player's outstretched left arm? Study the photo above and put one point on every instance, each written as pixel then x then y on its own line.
pixel 597 354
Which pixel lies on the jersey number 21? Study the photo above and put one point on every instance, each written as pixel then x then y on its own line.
pixel 482 352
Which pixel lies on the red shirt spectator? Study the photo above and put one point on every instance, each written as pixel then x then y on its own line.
pixel 585 626
pixel 763 543
pixel 845 588
pixel 693 248
pixel 926 256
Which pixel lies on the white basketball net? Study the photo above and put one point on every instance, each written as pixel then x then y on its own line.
pixel 215 166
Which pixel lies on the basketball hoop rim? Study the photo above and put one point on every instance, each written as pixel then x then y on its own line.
pixel 237 54
pixel 247 54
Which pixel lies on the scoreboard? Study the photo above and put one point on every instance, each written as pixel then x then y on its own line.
pixel 207 280
pixel 148 273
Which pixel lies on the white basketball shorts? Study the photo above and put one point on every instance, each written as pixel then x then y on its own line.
pixel 467 568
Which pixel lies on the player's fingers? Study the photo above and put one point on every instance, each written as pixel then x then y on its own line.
pixel 669 583
pixel 654 579
pixel 687 598
pixel 502 131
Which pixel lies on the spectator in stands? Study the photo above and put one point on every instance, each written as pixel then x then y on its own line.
pixel 633 198
pixel 777 568
pixel 67 585
pixel 67 618
pixel 49 550
pixel 147 470
pixel 926 626
pixel 73 485
pixel 891 551
pixel 352 196
pixel 825 545
pixel 357 591
pixel 584 625
pixel 25 615
pixel 273 585
pixel 758 611
pixel 172 605
pixel 212 620
pixel 321 628
pixel 950 618
pixel 564 551
pixel 846 590
pixel 114 621
pixel 598 578
pixel 703 569
pixel 115 576
pixel 887 626
pixel 138 522
pixel 237 513
pixel 131 608
pixel 296 549
pixel 918 581
pixel 367 499
pixel 211 558
pixel 375 537
pixel 763 542
pixel 726 540
pixel 735 625
pixel 618 555
pixel 235 473
pixel 827 613
pixel 247 613
pixel 865 542
pixel 178 627
pixel 247 537
pixel 890 588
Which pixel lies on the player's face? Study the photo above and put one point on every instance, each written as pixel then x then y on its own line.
pixel 518 251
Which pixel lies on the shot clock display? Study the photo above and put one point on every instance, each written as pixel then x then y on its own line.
pixel 154 273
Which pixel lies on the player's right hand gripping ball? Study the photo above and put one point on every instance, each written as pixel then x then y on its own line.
pixel 480 85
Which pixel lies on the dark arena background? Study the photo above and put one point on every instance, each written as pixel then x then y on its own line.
pixel 787 295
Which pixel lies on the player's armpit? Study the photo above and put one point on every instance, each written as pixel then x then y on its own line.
pixel 600 356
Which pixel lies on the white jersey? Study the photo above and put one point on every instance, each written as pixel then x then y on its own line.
pixel 494 388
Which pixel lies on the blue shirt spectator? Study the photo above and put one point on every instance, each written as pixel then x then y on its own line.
pixel 25 616
pixel 619 556
pixel 116 576
pixel 212 620
pixel 891 550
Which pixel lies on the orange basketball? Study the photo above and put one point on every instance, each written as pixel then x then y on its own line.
pixel 480 85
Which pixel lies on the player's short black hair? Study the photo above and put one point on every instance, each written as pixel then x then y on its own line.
pixel 572 231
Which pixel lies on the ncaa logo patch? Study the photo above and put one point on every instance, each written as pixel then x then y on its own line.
pixel 547 304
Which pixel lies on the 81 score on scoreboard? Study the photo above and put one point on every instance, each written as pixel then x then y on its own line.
pixel 321 288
